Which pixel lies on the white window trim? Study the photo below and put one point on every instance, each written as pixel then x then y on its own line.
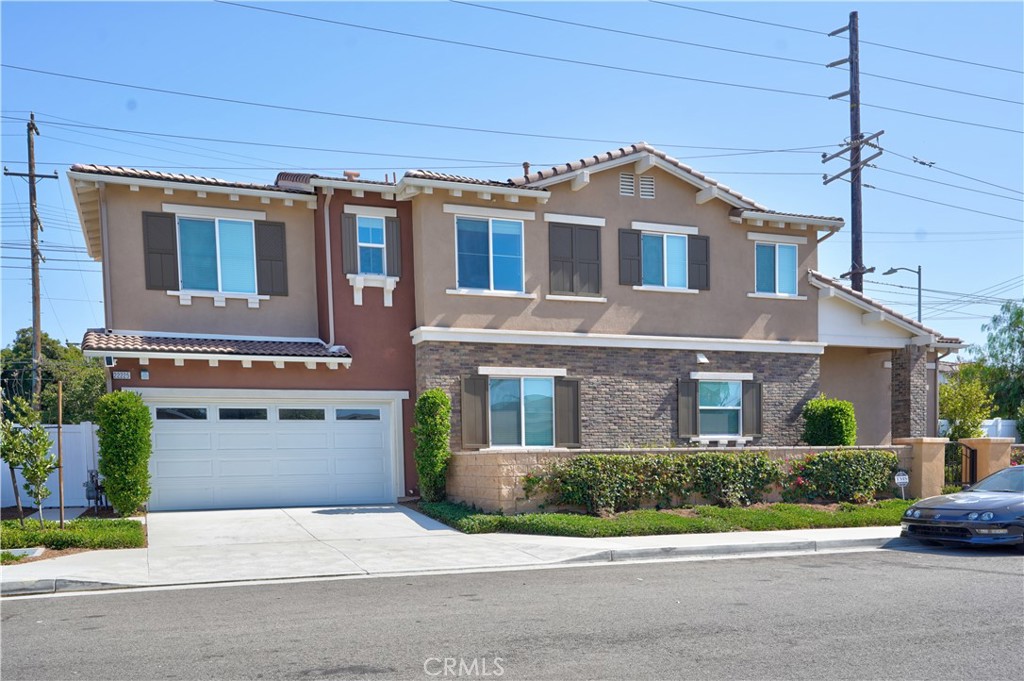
pixel 776 238
pixel 513 372
pixel 775 248
pixel 490 258
pixel 361 281
pixel 522 417
pixel 220 294
pixel 720 376
pixel 575 219
pixel 663 228
pixel 715 439
pixel 370 211
pixel 714 377
pixel 489 293
pixel 576 299
pixel 213 212
pixel 482 212
pixel 382 246
pixel 776 296
pixel 664 264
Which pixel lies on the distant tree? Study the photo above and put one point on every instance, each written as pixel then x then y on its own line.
pixel 965 402
pixel 84 378
pixel 1000 362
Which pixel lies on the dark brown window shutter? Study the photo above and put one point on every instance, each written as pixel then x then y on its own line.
pixel 474 412
pixel 689 418
pixel 630 262
pixel 393 246
pixel 752 421
pixel 699 257
pixel 160 245
pixel 588 260
pixel 567 413
pixel 271 259
pixel 349 244
pixel 561 258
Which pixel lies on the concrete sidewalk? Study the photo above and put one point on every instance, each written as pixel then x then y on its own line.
pixel 265 544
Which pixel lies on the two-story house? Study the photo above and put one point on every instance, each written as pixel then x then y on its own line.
pixel 280 333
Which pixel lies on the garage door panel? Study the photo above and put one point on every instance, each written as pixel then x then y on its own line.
pixel 359 465
pixel 246 468
pixel 168 497
pixel 186 468
pixel 182 441
pixel 303 441
pixel 250 440
pixel 361 493
pixel 359 439
pixel 305 467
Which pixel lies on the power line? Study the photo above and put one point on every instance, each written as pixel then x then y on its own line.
pixel 932 290
pixel 648 36
pixel 940 203
pixel 946 184
pixel 822 33
pixel 934 166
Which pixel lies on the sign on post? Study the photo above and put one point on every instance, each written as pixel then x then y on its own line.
pixel 902 480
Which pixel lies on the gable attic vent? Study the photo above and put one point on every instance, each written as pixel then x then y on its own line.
pixel 627 184
pixel 646 186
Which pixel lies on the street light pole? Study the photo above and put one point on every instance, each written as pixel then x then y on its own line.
pixel 894 270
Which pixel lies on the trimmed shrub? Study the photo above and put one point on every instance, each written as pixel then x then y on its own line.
pixel 608 483
pixel 125 446
pixel 432 429
pixel 855 475
pixel 829 422
pixel 733 478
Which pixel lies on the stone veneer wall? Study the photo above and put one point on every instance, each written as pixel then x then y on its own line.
pixel 910 392
pixel 492 480
pixel 628 396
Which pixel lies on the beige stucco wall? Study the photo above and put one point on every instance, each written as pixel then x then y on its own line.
pixel 859 376
pixel 135 308
pixel 724 311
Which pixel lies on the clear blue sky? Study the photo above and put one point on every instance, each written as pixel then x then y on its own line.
pixel 235 53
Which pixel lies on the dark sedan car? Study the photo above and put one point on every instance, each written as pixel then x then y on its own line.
pixel 991 513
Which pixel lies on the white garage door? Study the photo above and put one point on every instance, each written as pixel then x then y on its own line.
pixel 255 453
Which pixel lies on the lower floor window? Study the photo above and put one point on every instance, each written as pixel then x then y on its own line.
pixel 522 412
pixel 720 406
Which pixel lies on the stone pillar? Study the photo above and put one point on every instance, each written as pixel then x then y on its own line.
pixel 910 392
pixel 927 465
pixel 993 453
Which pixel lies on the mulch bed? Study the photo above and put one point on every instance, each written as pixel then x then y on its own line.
pixel 692 513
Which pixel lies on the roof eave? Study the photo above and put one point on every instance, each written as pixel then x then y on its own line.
pixel 411 186
pixel 822 223
pixel 217 356
pixel 80 176
pixel 326 182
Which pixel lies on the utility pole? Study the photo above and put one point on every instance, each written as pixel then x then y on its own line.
pixel 37 257
pixel 856 141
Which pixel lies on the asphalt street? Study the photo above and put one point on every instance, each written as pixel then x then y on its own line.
pixel 908 614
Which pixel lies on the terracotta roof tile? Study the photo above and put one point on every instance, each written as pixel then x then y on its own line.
pixel 445 177
pixel 99 340
pixel 136 173
pixel 888 310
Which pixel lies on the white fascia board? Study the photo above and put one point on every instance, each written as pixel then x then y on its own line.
pixel 189 186
pixel 425 334
pixel 663 228
pixel 844 341
pixel 521 371
pixel 867 307
pixel 370 211
pixel 794 219
pixel 213 212
pixel 354 186
pixel 206 356
pixel 94 247
pixel 574 219
pixel 485 212
pixel 214 336
pixel 776 238
pixel 721 376
pixel 298 395
pixel 472 187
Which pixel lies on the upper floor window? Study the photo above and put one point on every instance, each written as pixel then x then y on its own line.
pixel 371 245
pixel 775 268
pixel 664 260
pixel 217 254
pixel 575 253
pixel 489 254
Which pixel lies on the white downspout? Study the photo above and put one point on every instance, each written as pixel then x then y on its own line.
pixel 329 194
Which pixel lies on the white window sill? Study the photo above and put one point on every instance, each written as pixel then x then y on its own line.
pixel 488 293
pixel 665 289
pixel 361 281
pixel 576 299
pixel 723 439
pixel 219 299
pixel 776 296
pixel 514 448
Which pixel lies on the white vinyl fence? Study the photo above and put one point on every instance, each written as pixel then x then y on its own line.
pixel 992 428
pixel 80 455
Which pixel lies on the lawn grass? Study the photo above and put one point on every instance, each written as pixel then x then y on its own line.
pixel 81 533
pixel 7 557
pixel 639 523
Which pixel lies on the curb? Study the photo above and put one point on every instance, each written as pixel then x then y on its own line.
pixel 49 586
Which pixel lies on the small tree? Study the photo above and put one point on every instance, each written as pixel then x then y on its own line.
pixel 965 403
pixel 829 422
pixel 26 445
pixel 432 429
pixel 125 447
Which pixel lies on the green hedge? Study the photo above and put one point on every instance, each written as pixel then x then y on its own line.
pixel 125 446
pixel 855 475
pixel 829 422
pixel 433 426
pixel 81 533
pixel 609 483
